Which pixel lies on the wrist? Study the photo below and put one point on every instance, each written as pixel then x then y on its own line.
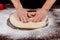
pixel 45 9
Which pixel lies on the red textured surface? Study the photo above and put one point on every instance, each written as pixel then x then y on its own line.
pixel 1 6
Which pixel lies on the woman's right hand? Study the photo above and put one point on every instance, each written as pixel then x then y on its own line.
pixel 22 14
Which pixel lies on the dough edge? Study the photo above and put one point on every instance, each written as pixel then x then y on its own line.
pixel 14 21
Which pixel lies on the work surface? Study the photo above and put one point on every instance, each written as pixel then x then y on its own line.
pixel 50 32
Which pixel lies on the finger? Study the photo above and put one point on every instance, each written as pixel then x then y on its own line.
pixel 22 20
pixel 26 17
pixel 39 19
pixel 18 17
pixel 33 13
pixel 35 18
pixel 43 18
pixel 29 15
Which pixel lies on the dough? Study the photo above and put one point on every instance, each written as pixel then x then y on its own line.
pixel 15 21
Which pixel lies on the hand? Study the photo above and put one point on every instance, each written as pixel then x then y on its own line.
pixel 22 14
pixel 40 15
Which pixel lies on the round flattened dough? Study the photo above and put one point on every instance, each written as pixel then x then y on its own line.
pixel 15 21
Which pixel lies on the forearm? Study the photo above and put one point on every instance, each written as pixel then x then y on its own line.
pixel 48 4
pixel 17 4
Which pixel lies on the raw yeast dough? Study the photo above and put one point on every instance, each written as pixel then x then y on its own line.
pixel 17 23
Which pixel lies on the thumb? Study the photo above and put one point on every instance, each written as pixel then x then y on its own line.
pixel 31 14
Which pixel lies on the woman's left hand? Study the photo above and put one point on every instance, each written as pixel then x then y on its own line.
pixel 40 15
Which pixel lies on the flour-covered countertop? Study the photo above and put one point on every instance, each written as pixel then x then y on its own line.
pixel 52 31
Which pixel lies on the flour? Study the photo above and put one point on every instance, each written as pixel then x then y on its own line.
pixel 51 30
